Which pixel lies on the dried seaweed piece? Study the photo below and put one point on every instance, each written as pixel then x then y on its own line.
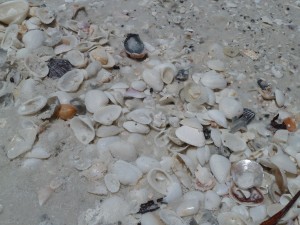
pixel 241 123
pixel 58 67
pixel 278 125
pixel 149 206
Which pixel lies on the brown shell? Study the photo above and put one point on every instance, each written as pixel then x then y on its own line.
pixel 291 124
pixel 66 111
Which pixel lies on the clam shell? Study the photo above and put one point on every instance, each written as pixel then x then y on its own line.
pixel 106 115
pixel 188 207
pixel 220 167
pixel 83 129
pixel 127 173
pixel 218 117
pixel 233 142
pixel 10 36
pixel 145 163
pixel 100 55
pixel 159 180
pixel 13 12
pixel 123 150
pixel 36 66
pixel 213 80
pixel 32 106
pixel 142 116
pixel 45 14
pixel 33 39
pixel 76 58
pixel 135 127
pixel 112 183
pixel 106 131
pixel 138 85
pixel 94 100
pixel 212 201
pixel 279 98
pixel 190 136
pixel 53 37
pixel 153 78
pixel 167 72
pixel 71 81
pixel 231 107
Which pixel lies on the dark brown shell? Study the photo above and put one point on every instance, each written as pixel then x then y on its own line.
pixel 134 47
pixel 58 67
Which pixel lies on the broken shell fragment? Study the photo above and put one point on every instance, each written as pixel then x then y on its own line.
pixel 190 136
pixel 247 197
pixel 159 180
pixel 83 129
pixel 10 36
pixel 13 12
pixel 102 56
pixel 71 81
pixel 32 106
pixel 134 46
pixel 213 80
pixel 218 117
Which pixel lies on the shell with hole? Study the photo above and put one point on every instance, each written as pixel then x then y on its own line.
pixel 13 12
pixel 83 129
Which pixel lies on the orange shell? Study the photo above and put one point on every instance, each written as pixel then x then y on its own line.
pixel 291 124
pixel 66 111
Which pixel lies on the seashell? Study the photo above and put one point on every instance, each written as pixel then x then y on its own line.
pixel 95 172
pixel 112 183
pixel 220 167
pixel 135 127
pixel 215 135
pixel 65 111
pixel 204 179
pixel 79 106
pixel 123 150
pixel 142 116
pixel 188 207
pixel 212 201
pixel 247 174
pixel 231 51
pixel 279 98
pixel 14 76
pixel 45 14
pixel 190 136
pixel 85 46
pixel 13 12
pixel 38 153
pixel 203 155
pixel 192 122
pixel 172 136
pixel 230 218
pixel 94 100
pixel 150 219
pixel 186 160
pixel 249 197
pixel 102 56
pixel 33 23
pixel 291 124
pixel 10 36
pixel 92 69
pixel 83 129
pixel 169 217
pixel 33 39
pixel 106 115
pixel 213 80
pixel 230 107
pixel 106 131
pixel 134 47
pixel 44 194
pixel 218 117
pixel 53 37
pixel 23 140
pixel 153 79
pixel 216 65
pixel 233 142
pixel 284 162
pixel 76 58
pixel 37 67
pixel 145 163
pixel 167 72
pixel 97 188
pixel 182 75
pixel 43 52
pixel 58 67
pixel 138 85
pixel 71 81
pixel 132 93
pixel 32 106
pixel 127 173
pixel 159 180
pixel 68 43
pixel 258 213
pixel 194 93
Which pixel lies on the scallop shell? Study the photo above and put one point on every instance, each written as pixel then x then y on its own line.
pixel 102 56
pixel 10 36
pixel 108 114
pixel 58 67
pixel 76 58
pixel 32 106
pixel 36 66
pixel 45 14
pixel 83 129
pixel 71 81
pixel 190 136
pixel 134 46
pixel 13 12
pixel 159 180
pixel 213 80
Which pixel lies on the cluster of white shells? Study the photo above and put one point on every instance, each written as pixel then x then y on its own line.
pixel 148 132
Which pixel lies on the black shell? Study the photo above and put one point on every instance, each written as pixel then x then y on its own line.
pixel 133 44
pixel 58 67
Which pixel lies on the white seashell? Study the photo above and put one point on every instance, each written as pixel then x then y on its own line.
pixel 203 155
pixel 97 188
pixel 142 116
pixel 174 192
pixel 37 67
pixel 68 43
pixel 230 218
pixel 150 219
pixel 192 122
pixel 159 180
pixel 54 37
pixel 213 80
pixel 44 194
pixel 71 81
pixel 138 85
pixel 211 96
pixel 204 179
pixel 106 131
pixel 76 58
pixel 145 163
pixel 38 153
pixel 188 207
pixel 167 72
pixel 284 162
pixel 33 39
pixel 281 136
pixel 92 69
pixel 258 213
pixel 95 172
pixel 190 136
pixel 112 183
pixel 194 93
pixel 187 161
pixel 104 76
pixel 212 201
pixel 279 98
pixel 170 217
pixel 13 12
pixel 241 210
pixel 106 115
pixel 215 135
pixel 233 142
pixel 63 97
pixel 23 140
pixel 100 55
pixel 103 143
pixel 218 117
pixel 135 127
pixel 33 23
pixel 83 129
pixel 10 36
pixel 153 79
pixel 94 100
pixel 216 65
pixel 45 14
pixel 127 173
pixel 220 167
pixel 32 106
pixel 231 107
pixel 123 150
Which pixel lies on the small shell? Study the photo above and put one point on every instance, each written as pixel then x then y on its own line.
pixel 167 72
pixel 159 180
pixel 230 218
pixel 216 65
pixel 233 142
pixel 291 124
pixel 108 114
pixel 230 107
pixel 76 58
pixel 127 173
pixel 100 55
pixel 66 111
pixel 36 66
pixel 46 15
pixel 170 217
pixel 68 43
pixel 142 116
pixel 135 127
pixel 212 201
pixel 107 131
pixel 83 129
pixel 94 100
pixel 58 67
pixel 194 93
pixel 190 136
pixel 123 150
pixel 220 167
pixel 188 207
pixel 204 179
pixel 284 162
pixel 71 81
pixel 145 163
pixel 213 80
pixel 138 85
pixel 112 183
pixel 53 37
pixel 134 46
pixel 279 98
pixel 218 117
pixel 79 105
pixel 32 106
pixel 153 79
pixel 13 12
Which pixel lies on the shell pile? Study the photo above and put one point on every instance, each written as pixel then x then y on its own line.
pixel 158 140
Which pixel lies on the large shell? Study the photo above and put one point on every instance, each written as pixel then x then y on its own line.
pixel 94 100
pixel 32 106
pixel 108 114
pixel 36 66
pixel 71 81
pixel 83 129
pixel 190 136
pixel 13 12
